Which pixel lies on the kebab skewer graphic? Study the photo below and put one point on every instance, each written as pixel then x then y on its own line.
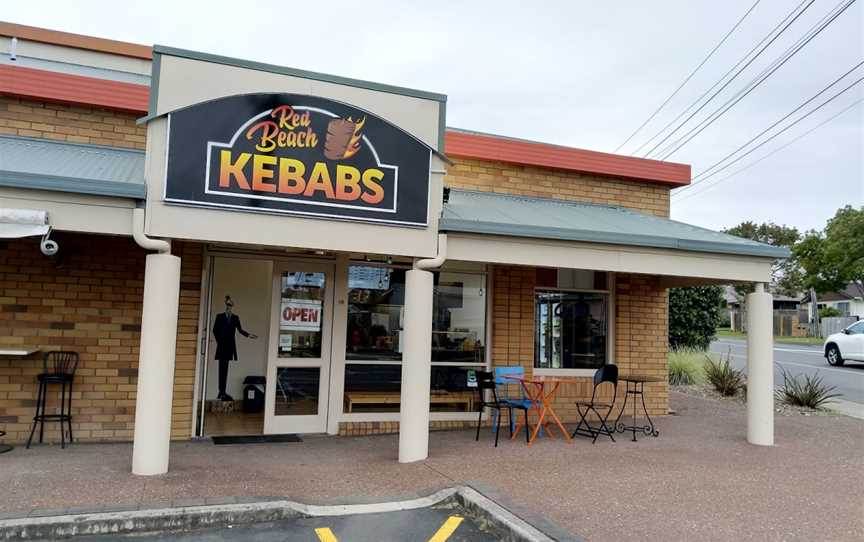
pixel 343 138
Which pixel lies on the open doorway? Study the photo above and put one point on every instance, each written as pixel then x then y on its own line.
pixel 238 326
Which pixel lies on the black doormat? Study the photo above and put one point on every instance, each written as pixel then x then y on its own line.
pixel 255 439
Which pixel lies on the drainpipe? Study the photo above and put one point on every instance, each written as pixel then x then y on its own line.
pixel 156 353
pixel 417 357
pixel 159 245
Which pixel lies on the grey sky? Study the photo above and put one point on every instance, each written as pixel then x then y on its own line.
pixel 583 74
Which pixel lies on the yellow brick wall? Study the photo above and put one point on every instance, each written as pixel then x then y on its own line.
pixel 70 123
pixel 92 305
pixel 549 183
pixel 640 334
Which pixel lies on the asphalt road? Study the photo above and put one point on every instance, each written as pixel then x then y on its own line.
pixel 432 524
pixel 802 359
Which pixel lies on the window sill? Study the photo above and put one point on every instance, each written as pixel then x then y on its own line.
pixel 577 373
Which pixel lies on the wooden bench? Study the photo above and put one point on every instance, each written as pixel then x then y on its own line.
pixel 391 398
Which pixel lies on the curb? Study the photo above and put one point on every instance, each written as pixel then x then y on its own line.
pixel 505 525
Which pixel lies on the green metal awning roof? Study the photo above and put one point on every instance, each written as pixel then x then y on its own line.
pixel 541 218
pixel 42 164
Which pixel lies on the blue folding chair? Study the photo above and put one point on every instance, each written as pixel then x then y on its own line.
pixel 512 393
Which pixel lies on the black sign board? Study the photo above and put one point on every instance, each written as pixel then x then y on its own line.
pixel 295 154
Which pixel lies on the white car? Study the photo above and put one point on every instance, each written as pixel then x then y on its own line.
pixel 848 345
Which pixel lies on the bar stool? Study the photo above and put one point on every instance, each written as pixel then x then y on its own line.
pixel 58 368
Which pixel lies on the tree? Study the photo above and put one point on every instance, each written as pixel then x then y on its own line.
pixel 784 272
pixel 831 260
pixel 693 316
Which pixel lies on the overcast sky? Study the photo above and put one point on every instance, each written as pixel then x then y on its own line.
pixel 577 73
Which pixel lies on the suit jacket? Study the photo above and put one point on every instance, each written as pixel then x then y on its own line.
pixel 223 330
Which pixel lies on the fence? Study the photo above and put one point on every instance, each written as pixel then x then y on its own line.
pixel 836 324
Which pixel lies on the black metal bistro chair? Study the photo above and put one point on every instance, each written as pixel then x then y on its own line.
pixel 606 374
pixel 58 368
pixel 486 382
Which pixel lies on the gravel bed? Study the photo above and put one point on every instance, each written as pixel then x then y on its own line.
pixel 706 391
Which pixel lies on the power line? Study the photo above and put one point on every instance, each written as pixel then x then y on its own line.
pixel 761 78
pixel 789 114
pixel 675 92
pixel 796 121
pixel 725 75
pixel 772 153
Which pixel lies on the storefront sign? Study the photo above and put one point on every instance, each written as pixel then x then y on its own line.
pixel 301 315
pixel 295 154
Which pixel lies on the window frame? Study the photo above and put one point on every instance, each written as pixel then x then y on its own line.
pixel 610 328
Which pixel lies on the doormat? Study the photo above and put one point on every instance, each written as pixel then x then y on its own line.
pixel 255 439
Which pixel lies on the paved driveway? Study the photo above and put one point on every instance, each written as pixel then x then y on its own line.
pixel 802 359
pixel 428 524
pixel 699 480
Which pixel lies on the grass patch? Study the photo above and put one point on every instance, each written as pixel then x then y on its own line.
pixel 686 367
pixel 777 339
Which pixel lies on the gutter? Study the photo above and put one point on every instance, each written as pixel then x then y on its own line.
pixel 159 245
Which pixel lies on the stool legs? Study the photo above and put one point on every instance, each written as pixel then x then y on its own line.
pixel 65 416
pixel 36 417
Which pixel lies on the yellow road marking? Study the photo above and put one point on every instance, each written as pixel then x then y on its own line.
pixel 326 535
pixel 447 529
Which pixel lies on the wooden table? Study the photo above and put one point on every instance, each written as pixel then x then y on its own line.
pixel 541 390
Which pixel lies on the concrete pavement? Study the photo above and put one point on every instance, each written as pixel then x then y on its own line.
pixel 806 359
pixel 699 480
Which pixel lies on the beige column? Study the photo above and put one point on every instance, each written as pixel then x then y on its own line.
pixel 416 367
pixel 156 365
pixel 760 367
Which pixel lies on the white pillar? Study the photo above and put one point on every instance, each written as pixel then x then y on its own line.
pixel 760 367
pixel 416 367
pixel 156 365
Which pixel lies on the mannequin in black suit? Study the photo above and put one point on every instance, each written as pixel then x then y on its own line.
pixel 226 347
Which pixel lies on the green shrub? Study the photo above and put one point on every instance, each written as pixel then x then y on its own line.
pixel 694 314
pixel 685 367
pixel 828 312
pixel 804 390
pixel 727 380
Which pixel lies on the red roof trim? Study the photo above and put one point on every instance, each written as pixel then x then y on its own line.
pixel 133 98
pixel 67 39
pixel 73 89
pixel 499 149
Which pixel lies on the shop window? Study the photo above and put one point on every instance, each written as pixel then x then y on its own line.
pixel 571 329
pixel 459 318
pixel 301 315
pixel 376 299
pixel 375 319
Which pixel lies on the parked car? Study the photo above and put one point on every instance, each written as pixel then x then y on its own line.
pixel 848 345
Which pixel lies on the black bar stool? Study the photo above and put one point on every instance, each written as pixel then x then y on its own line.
pixel 59 368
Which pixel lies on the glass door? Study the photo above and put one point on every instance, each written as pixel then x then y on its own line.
pixel 298 368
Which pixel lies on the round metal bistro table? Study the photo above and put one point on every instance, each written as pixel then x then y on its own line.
pixel 635 387
pixel 4 447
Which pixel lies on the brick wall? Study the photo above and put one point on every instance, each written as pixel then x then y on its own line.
pixel 70 123
pixel 640 333
pixel 91 304
pixel 549 183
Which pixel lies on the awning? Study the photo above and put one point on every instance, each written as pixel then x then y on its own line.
pixel 15 223
pixel 543 218
pixel 41 164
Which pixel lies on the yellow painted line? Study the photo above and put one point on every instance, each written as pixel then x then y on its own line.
pixel 447 529
pixel 325 535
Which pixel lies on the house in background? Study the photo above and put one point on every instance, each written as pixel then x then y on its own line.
pixel 789 319
pixel 848 302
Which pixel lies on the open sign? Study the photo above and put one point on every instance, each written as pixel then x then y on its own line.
pixel 301 315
